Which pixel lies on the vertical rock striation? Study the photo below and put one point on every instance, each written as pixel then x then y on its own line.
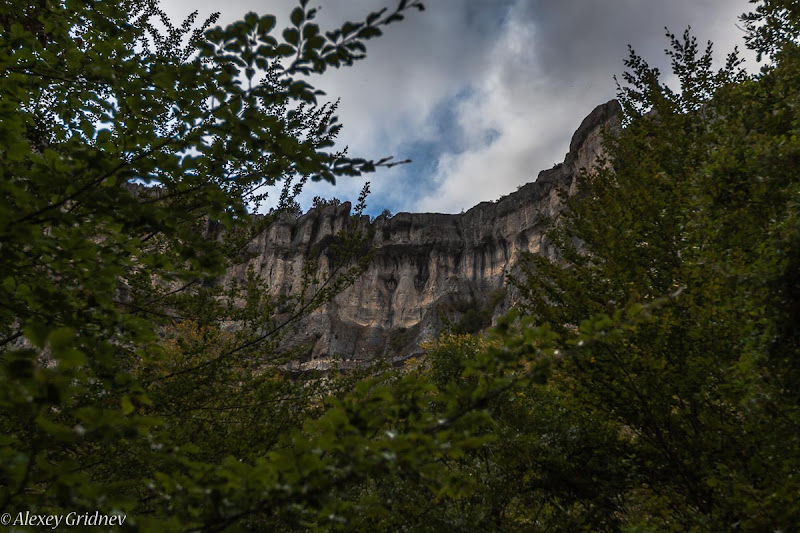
pixel 426 268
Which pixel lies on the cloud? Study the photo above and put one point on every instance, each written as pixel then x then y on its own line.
pixel 483 94
pixel 551 64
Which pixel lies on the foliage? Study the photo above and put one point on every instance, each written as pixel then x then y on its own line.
pixel 474 316
pixel 693 218
pixel 474 320
pixel 319 202
pixel 467 315
pixel 665 329
pixel 400 339
pixel 130 160
pixel 650 382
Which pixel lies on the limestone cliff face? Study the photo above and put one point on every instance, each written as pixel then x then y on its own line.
pixel 427 269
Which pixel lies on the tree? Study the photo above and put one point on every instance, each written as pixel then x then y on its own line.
pixel 665 331
pixel 651 383
pixel 123 150
pixel 665 327
pixel 677 258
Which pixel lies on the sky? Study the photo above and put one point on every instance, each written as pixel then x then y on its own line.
pixel 482 94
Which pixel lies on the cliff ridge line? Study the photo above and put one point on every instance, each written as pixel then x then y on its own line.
pixel 427 270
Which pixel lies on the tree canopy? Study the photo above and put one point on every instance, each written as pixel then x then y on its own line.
pixel 647 380
pixel 133 152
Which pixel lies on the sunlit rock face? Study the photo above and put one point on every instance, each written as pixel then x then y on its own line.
pixel 428 271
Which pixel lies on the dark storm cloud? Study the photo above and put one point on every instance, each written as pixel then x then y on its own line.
pixel 578 36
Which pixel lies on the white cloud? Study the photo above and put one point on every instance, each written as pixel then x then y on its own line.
pixel 527 71
pixel 550 66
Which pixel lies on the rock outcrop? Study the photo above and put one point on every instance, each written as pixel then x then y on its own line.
pixel 427 270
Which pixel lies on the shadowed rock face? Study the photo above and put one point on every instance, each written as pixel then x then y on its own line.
pixel 426 269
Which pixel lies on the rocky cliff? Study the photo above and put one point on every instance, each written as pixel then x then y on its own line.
pixel 428 271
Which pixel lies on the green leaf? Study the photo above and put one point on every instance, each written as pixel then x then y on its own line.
pixel 103 137
pixel 374 16
pixel 127 405
pixel 36 333
pixel 297 17
pixel 291 36
pixel 70 358
pixel 349 28
pixel 285 50
pixel 60 338
pixel 87 129
pixel 311 30
pixel 265 25
pixel 370 32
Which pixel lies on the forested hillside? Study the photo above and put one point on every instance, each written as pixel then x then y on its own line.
pixel 647 380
